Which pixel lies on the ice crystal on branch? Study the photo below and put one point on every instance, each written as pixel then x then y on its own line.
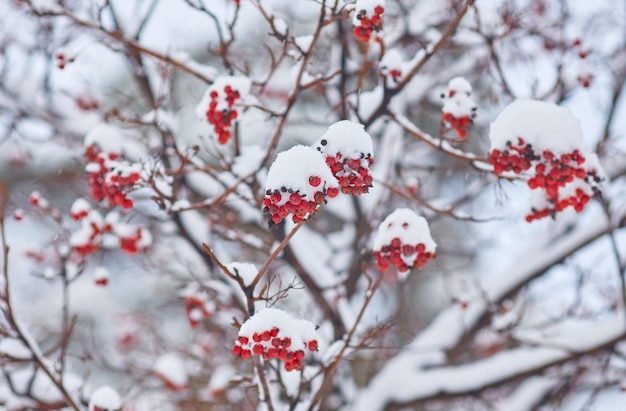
pixel 403 239
pixel 458 109
pixel 273 333
pixel 220 104
pixel 368 18
pixel 298 182
pixel 348 149
pixel 544 141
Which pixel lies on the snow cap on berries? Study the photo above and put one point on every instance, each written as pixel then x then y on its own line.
pixel 292 169
pixel 105 399
pixel 298 181
pixel 406 225
pixel 403 240
pixel 170 368
pixel 348 138
pixel 459 109
pixel 273 333
pixel 542 124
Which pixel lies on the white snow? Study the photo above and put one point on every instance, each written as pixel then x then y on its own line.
pixel 105 399
pixel 406 225
pixel 107 137
pixel 348 138
pixel 542 124
pixel 246 271
pixel 171 368
pixel 458 98
pixel 14 348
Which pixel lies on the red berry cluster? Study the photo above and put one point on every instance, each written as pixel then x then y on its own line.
pixel 396 253
pixel 61 60
pixel 352 173
pixel 551 174
pixel 91 242
pixel 368 25
pixel 585 75
pixel 459 125
pixel 280 203
pixel 517 158
pixel 132 244
pixel 195 307
pixel 106 182
pixel 269 344
pixel 222 119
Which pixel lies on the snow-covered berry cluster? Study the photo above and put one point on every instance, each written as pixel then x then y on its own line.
pixel 273 333
pixel 544 142
pixel 197 305
pixel 347 149
pixel 110 177
pixel 368 18
pixel 458 109
pixel 101 276
pixel 220 103
pixel 298 182
pixel 404 241
pixel 96 231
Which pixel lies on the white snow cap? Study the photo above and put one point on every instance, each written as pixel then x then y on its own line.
pixel 406 225
pixel 105 399
pixel 107 137
pixel 292 169
pixel 346 137
pixel 171 368
pixel 460 85
pixel 542 124
pixel 299 331
pixel 458 99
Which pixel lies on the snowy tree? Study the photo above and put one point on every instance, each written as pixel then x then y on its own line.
pixel 312 205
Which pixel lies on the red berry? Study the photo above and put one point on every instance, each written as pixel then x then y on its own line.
pixel 314 181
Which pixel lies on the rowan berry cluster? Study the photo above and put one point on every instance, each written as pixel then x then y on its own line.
pixel 222 119
pixel 552 173
pixel 459 110
pixel 110 178
pixel 347 150
pixel 273 333
pixel 89 236
pixel 403 240
pixel 400 254
pixel 196 309
pixel 280 203
pixel 366 25
pixel 297 191
pixel 353 174
pixel 272 344
pixel 132 239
